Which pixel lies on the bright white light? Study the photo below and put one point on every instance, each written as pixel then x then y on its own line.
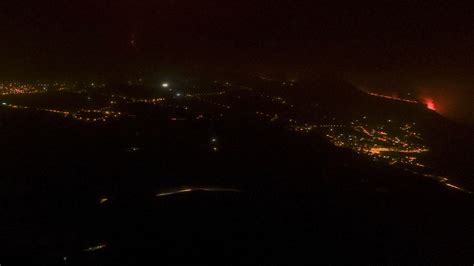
pixel 178 94
pixel 165 85
pixel 4 103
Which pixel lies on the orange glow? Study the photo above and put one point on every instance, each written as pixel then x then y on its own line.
pixel 430 104
pixel 390 97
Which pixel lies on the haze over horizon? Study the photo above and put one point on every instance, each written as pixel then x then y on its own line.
pixel 416 47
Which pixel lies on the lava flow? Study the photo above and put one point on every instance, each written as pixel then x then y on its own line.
pixel 430 104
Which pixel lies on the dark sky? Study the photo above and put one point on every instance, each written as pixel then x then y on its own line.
pixel 426 48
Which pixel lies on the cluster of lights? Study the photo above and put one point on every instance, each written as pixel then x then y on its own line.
pixel 402 145
pixel 16 89
pixel 206 94
pixel 13 106
pixel 81 115
pixel 137 100
pixel 145 100
pixel 95 115
pixel 309 127
pixel 293 125
pixel 277 99
pixel 385 142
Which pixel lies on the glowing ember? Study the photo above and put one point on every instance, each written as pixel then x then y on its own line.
pixel 430 104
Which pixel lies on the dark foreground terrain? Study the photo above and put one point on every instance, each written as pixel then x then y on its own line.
pixel 163 184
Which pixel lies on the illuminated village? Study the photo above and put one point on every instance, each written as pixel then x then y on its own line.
pixel 396 143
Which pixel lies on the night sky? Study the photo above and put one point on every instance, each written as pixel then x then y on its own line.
pixel 389 46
